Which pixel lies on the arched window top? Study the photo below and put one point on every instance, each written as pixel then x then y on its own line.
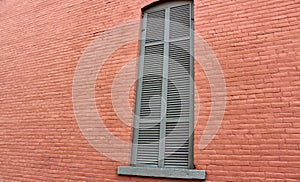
pixel 155 6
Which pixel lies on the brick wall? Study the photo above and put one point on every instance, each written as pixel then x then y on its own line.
pixel 256 42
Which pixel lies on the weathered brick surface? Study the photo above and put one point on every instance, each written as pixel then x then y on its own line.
pixel 256 42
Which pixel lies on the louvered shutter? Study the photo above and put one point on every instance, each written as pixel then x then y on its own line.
pixel 178 122
pixel 163 135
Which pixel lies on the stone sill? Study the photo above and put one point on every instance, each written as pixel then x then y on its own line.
pixel 162 172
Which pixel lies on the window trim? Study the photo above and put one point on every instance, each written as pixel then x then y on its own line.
pixel 162 172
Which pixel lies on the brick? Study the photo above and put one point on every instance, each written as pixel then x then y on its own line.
pixel 256 43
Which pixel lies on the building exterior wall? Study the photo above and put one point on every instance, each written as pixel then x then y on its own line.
pixel 41 42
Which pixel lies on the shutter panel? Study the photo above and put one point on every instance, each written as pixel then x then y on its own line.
pixel 150 111
pixel 164 137
pixel 178 105
pixel 180 21
pixel 151 92
pixel 177 143
pixel 155 26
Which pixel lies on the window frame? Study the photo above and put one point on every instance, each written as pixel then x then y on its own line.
pixel 180 173
pixel 164 6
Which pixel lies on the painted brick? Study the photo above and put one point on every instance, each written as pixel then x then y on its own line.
pixel 257 45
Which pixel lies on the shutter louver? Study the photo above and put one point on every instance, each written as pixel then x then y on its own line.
pixel 180 21
pixel 155 26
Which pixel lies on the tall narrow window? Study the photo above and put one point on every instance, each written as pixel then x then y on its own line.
pixel 163 135
pixel 164 109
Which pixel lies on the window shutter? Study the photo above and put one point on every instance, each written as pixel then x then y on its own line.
pixel 163 135
pixel 151 90
pixel 150 110
pixel 178 106
pixel 178 121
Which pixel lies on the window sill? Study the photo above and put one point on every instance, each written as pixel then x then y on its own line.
pixel 162 172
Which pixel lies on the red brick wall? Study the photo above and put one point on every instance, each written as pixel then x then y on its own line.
pixel 256 42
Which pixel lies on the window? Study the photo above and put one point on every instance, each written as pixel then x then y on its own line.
pixel 164 113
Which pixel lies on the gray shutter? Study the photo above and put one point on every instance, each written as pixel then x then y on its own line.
pixel 178 123
pixel 150 110
pixel 178 106
pixel 164 134
pixel 151 91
